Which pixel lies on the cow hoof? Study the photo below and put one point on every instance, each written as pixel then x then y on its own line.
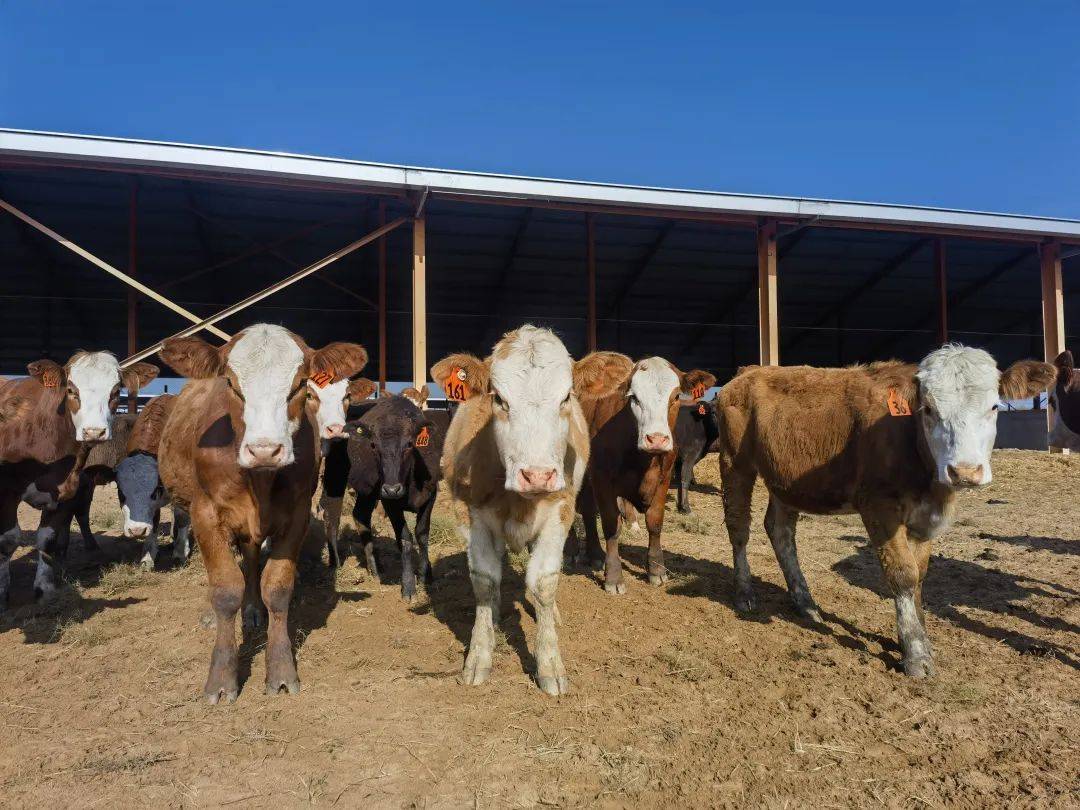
pixel 745 604
pixel 147 563
pixel 252 618
pixel 921 667
pixel 290 685
pixel 811 613
pixel 477 669
pixel 408 596
pixel 685 510
pixel 659 579
pixel 215 696
pixel 553 685
pixel 616 588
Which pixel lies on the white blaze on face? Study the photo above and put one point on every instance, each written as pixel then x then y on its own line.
pixel 330 411
pixel 265 360
pixel 531 380
pixel 651 387
pixel 958 387
pixel 94 376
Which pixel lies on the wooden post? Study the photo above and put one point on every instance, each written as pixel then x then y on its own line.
pixel 768 321
pixel 133 271
pixel 590 267
pixel 382 301
pixel 419 302
pixel 942 291
pixel 1053 303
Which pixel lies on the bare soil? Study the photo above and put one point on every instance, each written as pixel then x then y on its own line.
pixel 677 701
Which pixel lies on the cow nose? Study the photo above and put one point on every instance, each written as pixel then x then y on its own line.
pixel 136 530
pixel 657 442
pixel 335 431
pixel 93 434
pixel 264 453
pixel 965 475
pixel 537 479
pixel 392 490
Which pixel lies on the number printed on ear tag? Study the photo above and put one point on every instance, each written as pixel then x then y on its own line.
pixel 423 438
pixel 457 390
pixel 322 378
pixel 898 406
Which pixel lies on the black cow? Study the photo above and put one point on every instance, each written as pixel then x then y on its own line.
pixel 392 456
pixel 696 430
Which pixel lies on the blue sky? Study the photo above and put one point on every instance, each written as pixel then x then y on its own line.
pixel 968 105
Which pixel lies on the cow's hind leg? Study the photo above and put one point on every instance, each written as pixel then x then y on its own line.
pixel 84 498
pixel 780 524
pixel 405 546
pixel 253 615
pixel 608 506
pixel 902 576
pixel 590 554
pixel 331 517
pixel 53 535
pixel 226 595
pixel 684 472
pixel 738 487
pixel 541 585
pixel 181 532
pixel 485 571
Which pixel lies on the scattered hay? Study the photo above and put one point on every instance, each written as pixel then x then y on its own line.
pixel 682 664
pixel 624 771
pixel 693 524
pixel 125 577
pixel 443 532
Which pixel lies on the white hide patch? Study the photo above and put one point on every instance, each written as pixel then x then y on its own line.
pixel 533 379
pixel 651 387
pixel 265 360
pixel 331 406
pixel 93 376
pixel 958 387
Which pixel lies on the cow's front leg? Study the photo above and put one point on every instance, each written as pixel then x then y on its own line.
pixel 423 532
pixel 181 532
pixel 278 580
pixel 226 594
pixel 331 516
pixel 485 571
pixel 542 585
pixel 608 506
pixel 654 522
pixel 405 543
pixel 51 542
pixel 82 517
pixel 889 538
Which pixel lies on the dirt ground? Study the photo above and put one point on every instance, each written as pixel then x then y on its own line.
pixel 676 700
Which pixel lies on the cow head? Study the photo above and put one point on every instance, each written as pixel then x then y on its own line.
pixel 266 369
pixel 417 396
pixel 959 391
pixel 654 393
pixel 141 493
pixel 91 382
pixel 531 386
pixel 1066 404
pixel 393 429
pixel 331 402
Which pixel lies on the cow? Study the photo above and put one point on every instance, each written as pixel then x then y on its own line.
pixel 632 457
pixel 1065 432
pixel 696 432
pixel 515 454
pixel 393 458
pixel 240 453
pixel 889 441
pixel 48 423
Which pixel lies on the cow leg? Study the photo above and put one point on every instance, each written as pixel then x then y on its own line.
pixel 423 530
pixel 362 511
pixel 278 580
pixel 226 595
pixel 780 524
pixel 591 554
pixel 485 571
pixel 181 535
pixel 331 516
pixel 252 615
pixel 654 522
pixel 150 544
pixel 83 499
pixel 901 568
pixel 541 585
pixel 53 534
pixel 9 541
pixel 405 546
pixel 921 550
pixel 629 516
pixel 609 522
pixel 684 471
pixel 737 491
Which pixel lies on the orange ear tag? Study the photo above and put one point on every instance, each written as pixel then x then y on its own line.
pixel 423 438
pixel 701 409
pixel 322 378
pixel 457 390
pixel 698 391
pixel 898 406
pixel 51 379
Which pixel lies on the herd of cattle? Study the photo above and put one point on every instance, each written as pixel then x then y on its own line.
pixel 535 438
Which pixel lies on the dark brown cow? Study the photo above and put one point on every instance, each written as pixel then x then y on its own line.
pixel 240 452
pixel 1066 403
pixel 48 423
pixel 632 457
pixel 889 441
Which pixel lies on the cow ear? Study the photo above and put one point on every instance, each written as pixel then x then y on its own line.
pixel 338 360
pixel 137 375
pixel 601 373
pixel 361 388
pixel 697 382
pixel 424 393
pixel 1026 378
pixel 462 376
pixel 192 357
pixel 47 372
pixel 1064 363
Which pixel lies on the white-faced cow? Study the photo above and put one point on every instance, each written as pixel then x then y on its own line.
pixel 240 452
pixel 48 423
pixel 889 441
pixel 515 454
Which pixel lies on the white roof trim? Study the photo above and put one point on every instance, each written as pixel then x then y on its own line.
pixel 187 157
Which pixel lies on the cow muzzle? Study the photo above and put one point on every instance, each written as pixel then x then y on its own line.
pixel 537 480
pixel 93 434
pixel 263 453
pixel 392 491
pixel 656 443
pixel 334 432
pixel 966 475
pixel 135 530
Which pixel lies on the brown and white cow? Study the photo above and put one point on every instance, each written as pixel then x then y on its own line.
pixel 516 453
pixel 48 423
pixel 633 456
pixel 240 452
pixel 889 441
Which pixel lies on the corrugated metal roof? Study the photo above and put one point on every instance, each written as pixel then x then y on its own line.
pixel 153 155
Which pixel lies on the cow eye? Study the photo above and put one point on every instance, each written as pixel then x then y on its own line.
pixel 500 402
pixel 995 407
pixel 71 392
pixel 566 399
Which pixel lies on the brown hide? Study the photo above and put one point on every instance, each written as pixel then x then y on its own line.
pixel 146 435
pixel 38 426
